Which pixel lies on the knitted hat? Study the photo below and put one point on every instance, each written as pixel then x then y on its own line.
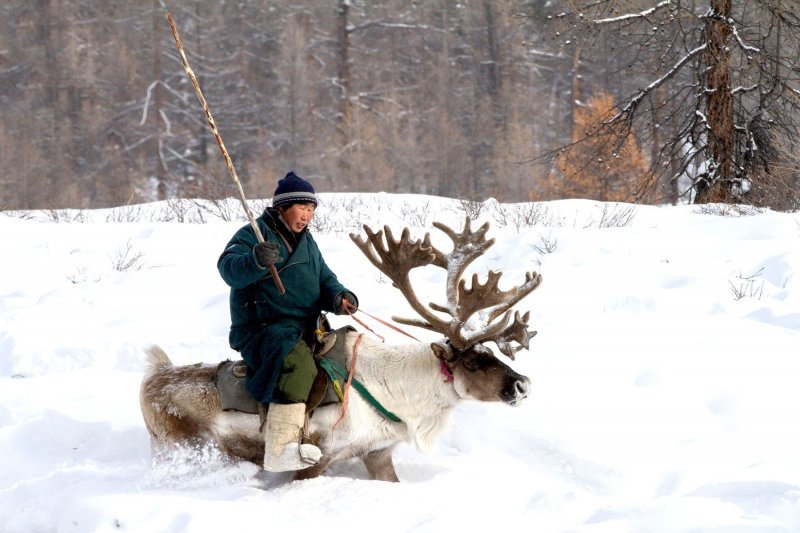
pixel 293 189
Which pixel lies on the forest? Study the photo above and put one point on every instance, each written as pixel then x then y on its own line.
pixel 646 101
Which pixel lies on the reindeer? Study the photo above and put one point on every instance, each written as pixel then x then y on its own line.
pixel 419 383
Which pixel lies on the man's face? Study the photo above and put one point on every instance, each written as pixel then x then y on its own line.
pixel 298 216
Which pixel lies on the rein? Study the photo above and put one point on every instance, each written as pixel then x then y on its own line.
pixel 334 369
pixel 349 382
pixel 448 375
pixel 348 306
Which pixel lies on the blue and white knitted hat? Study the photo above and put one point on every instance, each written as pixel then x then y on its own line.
pixel 293 189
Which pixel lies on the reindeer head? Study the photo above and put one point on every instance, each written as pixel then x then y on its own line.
pixel 477 373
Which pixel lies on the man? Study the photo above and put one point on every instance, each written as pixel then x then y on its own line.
pixel 273 331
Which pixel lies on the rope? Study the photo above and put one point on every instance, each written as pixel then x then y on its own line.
pixel 349 382
pixel 336 371
pixel 361 323
pixel 348 306
pixel 333 368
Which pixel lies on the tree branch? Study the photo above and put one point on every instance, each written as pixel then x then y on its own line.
pixel 629 110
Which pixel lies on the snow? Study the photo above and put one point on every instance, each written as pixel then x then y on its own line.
pixel 665 375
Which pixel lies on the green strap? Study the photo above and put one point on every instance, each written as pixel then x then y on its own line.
pixel 333 369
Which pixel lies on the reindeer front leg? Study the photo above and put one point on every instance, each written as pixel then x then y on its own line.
pixel 380 466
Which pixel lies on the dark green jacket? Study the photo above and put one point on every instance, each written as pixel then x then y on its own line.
pixel 265 326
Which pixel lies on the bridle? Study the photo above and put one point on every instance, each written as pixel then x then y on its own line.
pixel 351 310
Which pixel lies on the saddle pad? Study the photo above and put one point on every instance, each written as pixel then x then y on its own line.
pixel 229 380
pixel 233 396
pixel 332 348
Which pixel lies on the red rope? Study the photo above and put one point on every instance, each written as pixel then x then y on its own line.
pixel 348 306
pixel 346 393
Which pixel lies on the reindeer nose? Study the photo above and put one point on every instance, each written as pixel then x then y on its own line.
pixel 516 391
pixel 522 386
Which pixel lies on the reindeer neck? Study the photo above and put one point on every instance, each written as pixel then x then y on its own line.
pixel 406 379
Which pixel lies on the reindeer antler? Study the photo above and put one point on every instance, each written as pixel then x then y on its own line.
pixel 396 258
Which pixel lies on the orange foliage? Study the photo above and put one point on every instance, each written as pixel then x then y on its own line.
pixel 605 165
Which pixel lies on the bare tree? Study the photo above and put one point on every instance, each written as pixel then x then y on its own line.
pixel 718 94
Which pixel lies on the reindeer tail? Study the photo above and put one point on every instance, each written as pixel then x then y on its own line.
pixel 156 359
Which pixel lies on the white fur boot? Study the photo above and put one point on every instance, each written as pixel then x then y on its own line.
pixel 283 451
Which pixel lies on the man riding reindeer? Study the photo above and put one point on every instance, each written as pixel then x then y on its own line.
pixel 273 331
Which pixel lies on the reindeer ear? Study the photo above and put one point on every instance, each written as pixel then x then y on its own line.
pixel 443 351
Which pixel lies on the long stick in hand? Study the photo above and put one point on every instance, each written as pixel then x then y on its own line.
pixel 221 145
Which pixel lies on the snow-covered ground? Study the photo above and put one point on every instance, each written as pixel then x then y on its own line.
pixel 666 374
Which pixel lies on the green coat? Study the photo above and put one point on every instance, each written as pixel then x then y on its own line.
pixel 265 326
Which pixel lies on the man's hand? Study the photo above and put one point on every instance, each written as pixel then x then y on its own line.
pixel 266 253
pixel 344 303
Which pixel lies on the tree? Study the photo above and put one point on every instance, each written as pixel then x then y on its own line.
pixel 603 167
pixel 435 97
pixel 719 92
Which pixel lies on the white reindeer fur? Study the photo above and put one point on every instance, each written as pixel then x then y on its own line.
pixel 407 381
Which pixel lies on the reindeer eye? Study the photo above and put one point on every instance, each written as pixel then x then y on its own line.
pixel 471 365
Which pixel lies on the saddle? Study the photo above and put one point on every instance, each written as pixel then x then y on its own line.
pixel 229 377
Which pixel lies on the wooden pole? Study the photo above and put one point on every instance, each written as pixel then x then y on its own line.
pixel 221 145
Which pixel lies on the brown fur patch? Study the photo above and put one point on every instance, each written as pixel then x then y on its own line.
pixel 178 402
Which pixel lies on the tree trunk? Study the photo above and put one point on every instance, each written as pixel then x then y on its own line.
pixel 493 74
pixel 719 105
pixel 576 91
pixel 343 75
pixel 446 185
pixel 158 28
